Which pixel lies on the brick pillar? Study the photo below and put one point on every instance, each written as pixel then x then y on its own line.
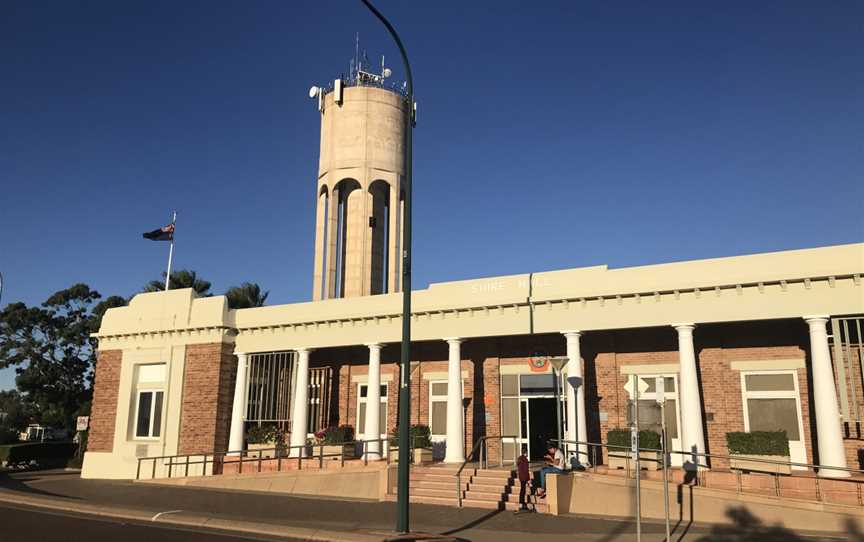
pixel 103 414
pixel 208 392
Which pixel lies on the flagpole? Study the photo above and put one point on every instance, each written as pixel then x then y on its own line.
pixel 170 253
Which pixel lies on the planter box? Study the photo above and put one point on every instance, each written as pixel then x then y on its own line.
pixel 421 455
pixel 263 451
pixel 751 463
pixel 335 451
pixel 648 460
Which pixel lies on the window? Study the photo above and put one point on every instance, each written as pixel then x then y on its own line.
pixel 148 422
pixel 361 410
pixel 150 381
pixel 771 403
pixel 438 408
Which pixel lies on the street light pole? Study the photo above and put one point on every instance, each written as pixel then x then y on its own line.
pixel 404 423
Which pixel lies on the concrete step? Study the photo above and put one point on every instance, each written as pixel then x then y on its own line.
pixel 449 486
pixel 441 501
pixel 476 503
pixel 439 477
pixel 486 481
pixel 486 495
pixel 487 488
pixel 426 492
pixel 492 473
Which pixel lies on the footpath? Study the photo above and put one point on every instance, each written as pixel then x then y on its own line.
pixel 291 517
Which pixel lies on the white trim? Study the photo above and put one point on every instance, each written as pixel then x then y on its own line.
pixel 650 369
pixel 364 379
pixel 522 369
pixel 440 399
pixel 785 394
pixel 442 375
pixel 769 365
pixel 149 436
pixel 382 400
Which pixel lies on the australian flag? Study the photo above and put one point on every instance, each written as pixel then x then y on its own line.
pixel 162 234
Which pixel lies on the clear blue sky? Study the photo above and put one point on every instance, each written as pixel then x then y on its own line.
pixel 550 135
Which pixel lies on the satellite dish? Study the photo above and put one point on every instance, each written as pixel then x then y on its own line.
pixel 387 72
pixel 314 91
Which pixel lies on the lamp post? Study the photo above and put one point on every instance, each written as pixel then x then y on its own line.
pixel 404 422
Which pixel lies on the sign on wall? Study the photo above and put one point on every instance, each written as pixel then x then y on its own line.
pixel 82 423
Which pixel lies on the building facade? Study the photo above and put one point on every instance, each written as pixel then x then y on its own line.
pixel 764 341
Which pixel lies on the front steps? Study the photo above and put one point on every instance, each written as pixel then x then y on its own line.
pixel 480 488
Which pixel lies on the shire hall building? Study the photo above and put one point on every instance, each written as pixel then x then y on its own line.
pixel 748 343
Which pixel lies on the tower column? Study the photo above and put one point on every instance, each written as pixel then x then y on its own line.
pixel 394 243
pixel 300 418
pixel 829 434
pixel 455 430
pixel 235 435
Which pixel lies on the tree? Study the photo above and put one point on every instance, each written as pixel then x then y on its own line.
pixel 15 414
pixel 182 278
pixel 246 296
pixel 52 351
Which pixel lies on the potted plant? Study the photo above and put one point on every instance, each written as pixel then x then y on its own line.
pixel 619 444
pixel 263 440
pixel 421 443
pixel 746 449
pixel 336 441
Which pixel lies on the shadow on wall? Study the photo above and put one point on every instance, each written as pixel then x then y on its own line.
pixel 746 527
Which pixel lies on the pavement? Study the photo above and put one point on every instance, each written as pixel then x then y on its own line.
pixel 286 517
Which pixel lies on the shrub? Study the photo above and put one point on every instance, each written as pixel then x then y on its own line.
pixel 43 453
pixel 620 438
pixel 337 435
pixel 265 434
pixel 420 436
pixel 8 435
pixel 758 443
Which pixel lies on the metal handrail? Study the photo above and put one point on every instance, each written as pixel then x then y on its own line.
pixel 739 488
pixel 280 453
pixel 479 445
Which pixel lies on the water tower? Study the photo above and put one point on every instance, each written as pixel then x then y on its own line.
pixel 359 213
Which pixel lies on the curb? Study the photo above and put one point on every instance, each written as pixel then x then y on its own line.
pixel 189 519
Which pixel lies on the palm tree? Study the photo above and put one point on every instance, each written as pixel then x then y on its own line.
pixel 182 278
pixel 246 296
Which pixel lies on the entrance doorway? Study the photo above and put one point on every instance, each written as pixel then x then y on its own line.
pixel 541 425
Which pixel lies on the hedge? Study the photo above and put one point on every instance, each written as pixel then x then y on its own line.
pixel 758 443
pixel 43 453
pixel 620 438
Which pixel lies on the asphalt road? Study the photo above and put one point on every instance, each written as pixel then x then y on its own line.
pixel 31 525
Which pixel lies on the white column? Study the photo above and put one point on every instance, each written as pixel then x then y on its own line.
pixel 373 402
pixel 692 436
pixel 577 427
pixel 301 402
pixel 455 430
pixel 829 435
pixel 235 438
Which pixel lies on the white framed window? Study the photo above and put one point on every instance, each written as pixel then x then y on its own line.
pixel 438 409
pixel 772 402
pixel 150 383
pixel 362 392
pixel 148 414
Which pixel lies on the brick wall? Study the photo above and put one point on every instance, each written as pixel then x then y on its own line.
pixel 208 391
pixel 106 387
pixel 604 352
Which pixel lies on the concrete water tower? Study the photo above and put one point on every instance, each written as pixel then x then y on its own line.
pixel 359 213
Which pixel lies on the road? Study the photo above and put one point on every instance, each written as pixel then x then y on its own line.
pixel 32 525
